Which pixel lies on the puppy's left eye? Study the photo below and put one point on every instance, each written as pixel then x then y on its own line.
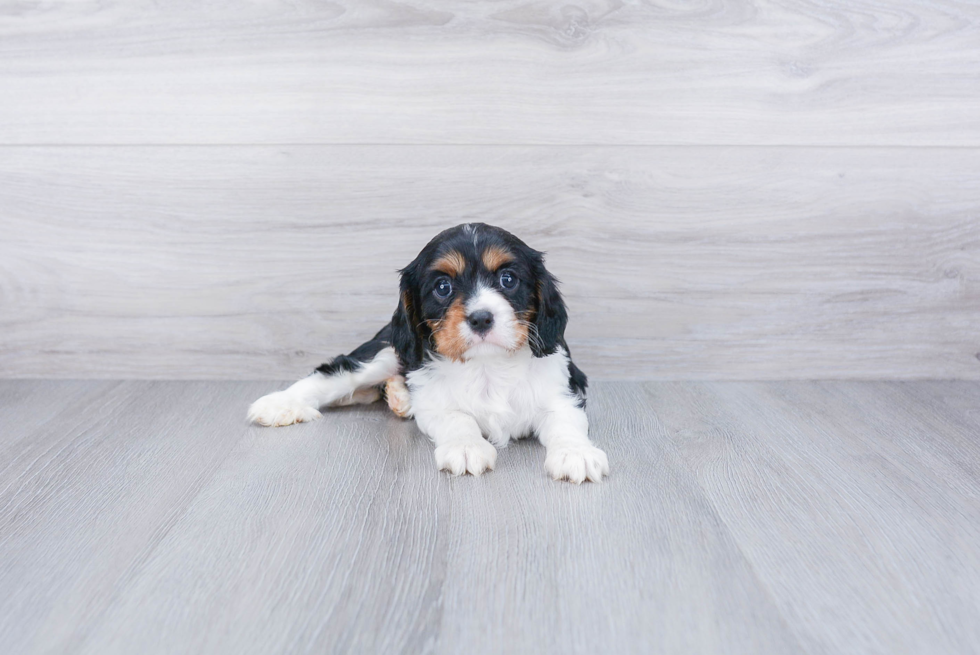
pixel 508 280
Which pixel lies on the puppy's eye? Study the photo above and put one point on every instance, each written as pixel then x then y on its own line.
pixel 443 288
pixel 508 280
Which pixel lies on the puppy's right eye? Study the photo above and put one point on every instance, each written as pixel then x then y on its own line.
pixel 444 288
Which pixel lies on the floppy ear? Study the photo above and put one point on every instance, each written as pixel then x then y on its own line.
pixel 550 316
pixel 406 323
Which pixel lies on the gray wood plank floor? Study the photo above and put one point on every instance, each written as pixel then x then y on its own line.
pixel 817 517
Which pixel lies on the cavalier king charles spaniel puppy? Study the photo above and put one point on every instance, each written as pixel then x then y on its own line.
pixel 475 352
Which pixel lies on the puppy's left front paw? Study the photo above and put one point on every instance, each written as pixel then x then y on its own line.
pixel 576 463
pixel 473 456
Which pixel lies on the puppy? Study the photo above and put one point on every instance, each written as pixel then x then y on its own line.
pixel 475 352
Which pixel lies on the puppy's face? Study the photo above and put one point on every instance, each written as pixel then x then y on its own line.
pixel 477 290
pixel 477 299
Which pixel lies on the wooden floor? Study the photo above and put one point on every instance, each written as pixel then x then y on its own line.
pixel 816 517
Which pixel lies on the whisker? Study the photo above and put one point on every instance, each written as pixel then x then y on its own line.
pixel 532 332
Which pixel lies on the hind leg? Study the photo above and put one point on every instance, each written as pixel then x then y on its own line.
pixel 364 396
pixel 301 402
pixel 399 400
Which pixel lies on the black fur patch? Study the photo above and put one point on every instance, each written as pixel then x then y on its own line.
pixel 339 364
pixel 577 382
pixel 363 353
pixel 535 294
pixel 409 333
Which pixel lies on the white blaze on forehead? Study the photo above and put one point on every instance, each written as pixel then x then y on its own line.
pixel 490 300
pixel 469 228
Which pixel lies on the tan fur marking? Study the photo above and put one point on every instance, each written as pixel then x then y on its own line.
pixel 449 340
pixel 522 328
pixel 452 263
pixel 494 257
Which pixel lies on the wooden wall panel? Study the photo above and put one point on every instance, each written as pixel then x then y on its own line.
pixel 840 72
pixel 677 262
pixel 730 189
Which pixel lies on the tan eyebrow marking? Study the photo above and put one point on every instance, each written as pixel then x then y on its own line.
pixel 494 257
pixel 452 263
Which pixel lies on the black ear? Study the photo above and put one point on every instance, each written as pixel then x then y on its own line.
pixel 550 316
pixel 407 326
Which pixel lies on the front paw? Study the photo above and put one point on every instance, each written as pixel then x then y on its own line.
pixel 281 409
pixel 473 456
pixel 576 463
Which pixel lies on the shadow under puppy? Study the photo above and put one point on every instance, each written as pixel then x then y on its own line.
pixel 475 352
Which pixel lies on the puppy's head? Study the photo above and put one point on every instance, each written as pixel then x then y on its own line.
pixel 477 291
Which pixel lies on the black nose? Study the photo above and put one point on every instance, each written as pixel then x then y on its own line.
pixel 480 321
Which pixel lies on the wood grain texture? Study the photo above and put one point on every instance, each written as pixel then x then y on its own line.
pixel 781 517
pixel 342 537
pixel 90 485
pixel 841 72
pixel 875 489
pixel 697 263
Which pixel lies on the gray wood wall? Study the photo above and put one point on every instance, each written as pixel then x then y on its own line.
pixel 727 189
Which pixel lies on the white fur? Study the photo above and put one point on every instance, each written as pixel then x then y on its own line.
pixel 504 332
pixel 364 396
pixel 502 396
pixel 498 392
pixel 301 402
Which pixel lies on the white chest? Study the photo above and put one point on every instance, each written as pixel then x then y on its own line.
pixel 505 394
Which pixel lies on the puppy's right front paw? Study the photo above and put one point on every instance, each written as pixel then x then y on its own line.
pixel 466 456
pixel 280 408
